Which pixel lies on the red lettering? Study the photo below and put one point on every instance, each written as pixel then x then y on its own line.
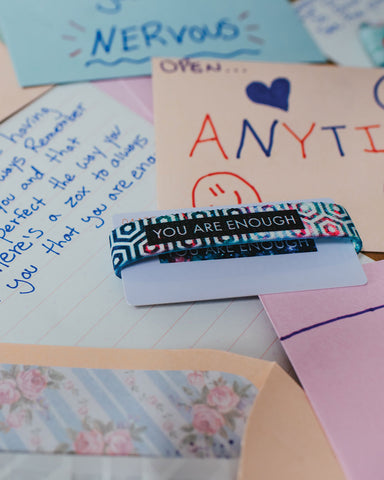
pixel 301 140
pixel 215 138
pixel 374 149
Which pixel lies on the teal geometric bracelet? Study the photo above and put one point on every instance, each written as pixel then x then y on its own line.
pixel 243 224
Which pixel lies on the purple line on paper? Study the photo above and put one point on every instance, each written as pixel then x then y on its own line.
pixel 332 320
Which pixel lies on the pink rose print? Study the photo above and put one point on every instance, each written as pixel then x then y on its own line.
pixel 68 385
pixel 31 383
pixel 8 392
pixel 207 420
pixel 152 400
pixel 119 442
pixel 83 410
pixel 196 379
pixel 36 441
pixel 89 443
pixel 168 426
pixel 16 418
pixel 130 381
pixel 223 398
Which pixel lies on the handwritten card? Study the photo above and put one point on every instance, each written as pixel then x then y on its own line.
pixel 68 163
pixel 284 132
pixel 336 27
pixel 334 339
pixel 71 40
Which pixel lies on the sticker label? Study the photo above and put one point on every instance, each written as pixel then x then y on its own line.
pixel 240 251
pixel 228 225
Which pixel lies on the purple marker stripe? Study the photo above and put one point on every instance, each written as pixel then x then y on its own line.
pixel 326 322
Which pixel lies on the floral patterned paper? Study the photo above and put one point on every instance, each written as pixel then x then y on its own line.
pixel 119 412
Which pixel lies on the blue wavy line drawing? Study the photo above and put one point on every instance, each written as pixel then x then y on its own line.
pixel 117 62
pixel 235 53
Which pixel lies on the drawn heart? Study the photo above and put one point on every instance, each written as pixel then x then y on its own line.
pixel 275 96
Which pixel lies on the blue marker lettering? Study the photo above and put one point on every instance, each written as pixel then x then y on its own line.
pixel 99 40
pixel 267 150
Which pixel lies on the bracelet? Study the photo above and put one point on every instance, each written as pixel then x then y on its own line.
pixel 242 224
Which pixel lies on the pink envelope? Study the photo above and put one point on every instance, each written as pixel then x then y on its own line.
pixel 335 341
pixel 135 93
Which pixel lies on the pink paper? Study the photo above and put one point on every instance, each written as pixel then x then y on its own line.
pixel 340 364
pixel 134 93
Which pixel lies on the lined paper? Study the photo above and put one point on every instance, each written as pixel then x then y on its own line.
pixel 72 160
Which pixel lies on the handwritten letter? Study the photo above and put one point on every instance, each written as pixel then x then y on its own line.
pixel 67 164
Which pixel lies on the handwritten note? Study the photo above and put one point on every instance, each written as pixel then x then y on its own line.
pixel 284 132
pixel 335 26
pixel 86 40
pixel 68 162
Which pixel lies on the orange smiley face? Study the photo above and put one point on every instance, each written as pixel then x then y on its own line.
pixel 223 188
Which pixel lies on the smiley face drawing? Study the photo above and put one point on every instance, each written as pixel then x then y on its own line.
pixel 223 188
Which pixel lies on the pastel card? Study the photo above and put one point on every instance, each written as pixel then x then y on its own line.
pixel 238 271
pixel 339 29
pixel 334 339
pixel 284 132
pixel 71 41
pixel 12 96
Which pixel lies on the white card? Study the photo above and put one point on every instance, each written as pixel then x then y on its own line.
pixel 334 264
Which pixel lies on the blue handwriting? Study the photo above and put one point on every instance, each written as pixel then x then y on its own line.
pixel 26 274
pixel 96 215
pixel 56 155
pixel 114 7
pixel 136 37
pixel 30 122
pixel 118 157
pixel 20 214
pixel 33 144
pixel 90 157
pixel 8 256
pixel 74 199
pixel 53 246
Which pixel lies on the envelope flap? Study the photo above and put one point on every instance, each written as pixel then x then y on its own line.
pixel 255 370
pixel 283 437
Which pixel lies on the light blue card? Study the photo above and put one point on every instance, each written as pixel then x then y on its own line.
pixel 56 41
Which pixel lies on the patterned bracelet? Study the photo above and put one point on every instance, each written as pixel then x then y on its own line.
pixel 147 237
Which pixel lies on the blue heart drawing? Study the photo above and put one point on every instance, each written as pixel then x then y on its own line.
pixel 275 96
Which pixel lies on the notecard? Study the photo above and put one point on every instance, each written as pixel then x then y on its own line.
pixel 68 163
pixel 283 132
pixel 71 40
pixel 334 339
pixel 221 266
pixel 337 26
